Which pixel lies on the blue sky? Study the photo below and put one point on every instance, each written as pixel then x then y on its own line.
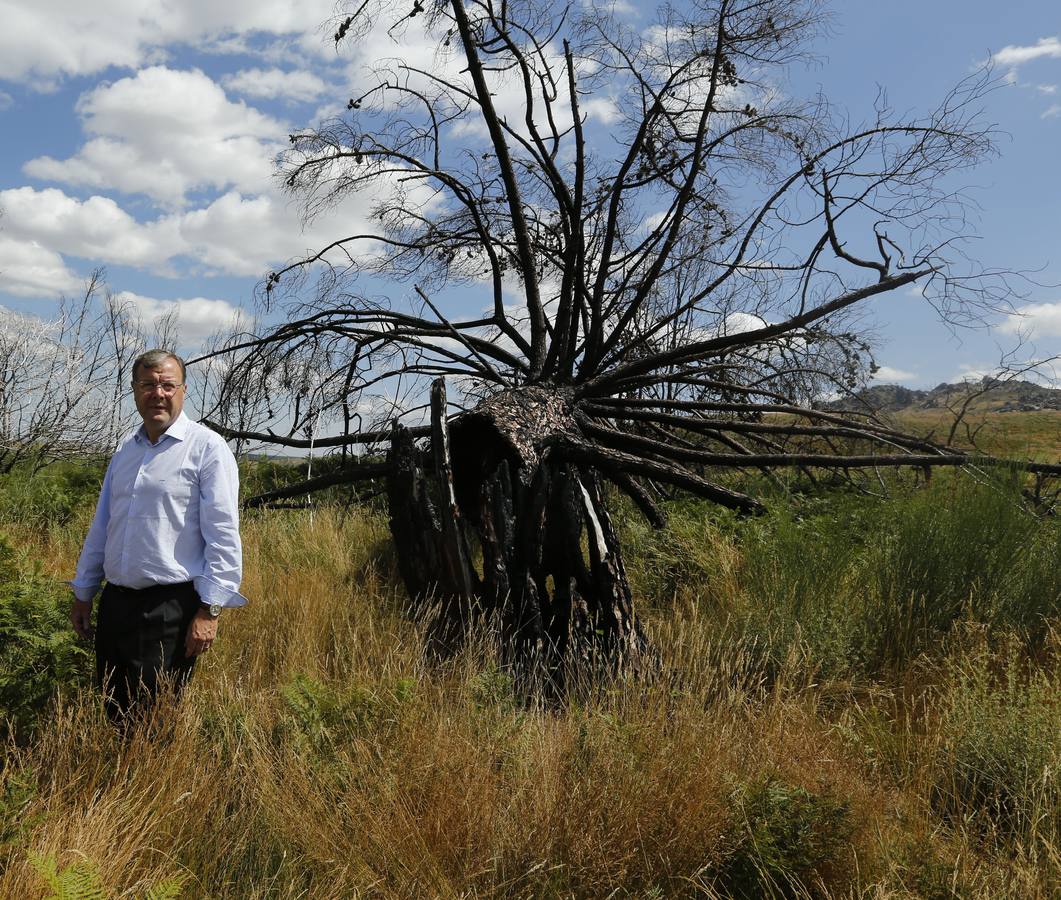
pixel 139 134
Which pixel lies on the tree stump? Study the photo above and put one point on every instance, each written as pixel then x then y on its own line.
pixel 548 573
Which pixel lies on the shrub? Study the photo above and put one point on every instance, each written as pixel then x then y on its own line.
pixel 787 835
pixel 39 652
pixel 999 760
pixel 51 497
pixel 963 548
pixel 18 789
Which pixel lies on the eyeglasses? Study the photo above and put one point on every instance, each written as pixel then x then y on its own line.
pixel 168 388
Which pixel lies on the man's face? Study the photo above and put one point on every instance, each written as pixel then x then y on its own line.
pixel 157 405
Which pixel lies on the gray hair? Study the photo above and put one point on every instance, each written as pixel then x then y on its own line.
pixel 152 359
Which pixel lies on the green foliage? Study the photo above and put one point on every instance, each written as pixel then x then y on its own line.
pixel 494 689
pixel 18 789
pixel 321 715
pixel 800 581
pixel 786 835
pixel 81 881
pixel 258 476
pixel 39 652
pixel 963 549
pixel 687 555
pixel 861 586
pixel 78 881
pixel 167 889
pixel 51 497
pixel 928 873
pixel 999 759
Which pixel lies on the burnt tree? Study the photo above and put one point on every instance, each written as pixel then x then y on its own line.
pixel 627 256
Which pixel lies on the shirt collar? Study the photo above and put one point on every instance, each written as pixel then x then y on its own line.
pixel 178 430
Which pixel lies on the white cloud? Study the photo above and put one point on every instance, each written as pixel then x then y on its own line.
pixel 29 270
pixel 196 318
pixel 1046 88
pixel 6 101
pixel 616 7
pixel 242 235
pixel 416 46
pixel 1051 112
pixel 603 109
pixel 53 38
pixel 1014 55
pixel 891 375
pixel 166 133
pixel 973 373
pixel 97 228
pixel 233 235
pixel 740 322
pixel 298 85
pixel 1034 320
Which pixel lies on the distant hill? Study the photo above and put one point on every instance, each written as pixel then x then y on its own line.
pixel 990 395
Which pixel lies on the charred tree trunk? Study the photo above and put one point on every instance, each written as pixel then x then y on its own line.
pixel 497 480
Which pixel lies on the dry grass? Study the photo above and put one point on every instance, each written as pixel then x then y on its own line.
pixel 317 756
pixel 1021 435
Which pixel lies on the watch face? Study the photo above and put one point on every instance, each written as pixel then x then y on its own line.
pixel 215 610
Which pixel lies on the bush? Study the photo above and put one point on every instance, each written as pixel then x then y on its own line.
pixel 787 836
pixel 39 652
pixel 857 586
pixel 999 761
pixel 963 549
pixel 51 497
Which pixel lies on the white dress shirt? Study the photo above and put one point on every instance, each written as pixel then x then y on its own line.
pixel 167 513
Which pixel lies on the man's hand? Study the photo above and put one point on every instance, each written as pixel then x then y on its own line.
pixel 81 619
pixel 201 633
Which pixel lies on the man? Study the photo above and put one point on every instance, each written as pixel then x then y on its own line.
pixel 166 538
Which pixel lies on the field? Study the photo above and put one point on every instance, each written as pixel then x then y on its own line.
pixel 1023 435
pixel 856 697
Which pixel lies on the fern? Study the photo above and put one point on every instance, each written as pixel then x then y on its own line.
pixel 78 881
pixel 169 889
pixel 81 881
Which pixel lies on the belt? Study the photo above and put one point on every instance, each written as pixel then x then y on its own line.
pixel 150 590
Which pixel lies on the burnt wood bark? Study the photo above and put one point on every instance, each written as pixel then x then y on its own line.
pixel 496 479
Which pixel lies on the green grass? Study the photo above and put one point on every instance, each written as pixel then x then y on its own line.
pixel 862 586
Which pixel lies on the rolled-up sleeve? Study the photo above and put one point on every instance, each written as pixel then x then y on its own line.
pixel 219 521
pixel 89 575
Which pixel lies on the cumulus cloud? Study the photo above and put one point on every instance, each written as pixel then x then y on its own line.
pixel 892 375
pixel 235 234
pixel 1015 55
pixel 196 318
pixel 740 322
pixel 6 101
pixel 971 372
pixel 28 269
pixel 416 46
pixel 299 85
pixel 240 235
pixel 96 228
pixel 1034 320
pixel 165 133
pixel 48 40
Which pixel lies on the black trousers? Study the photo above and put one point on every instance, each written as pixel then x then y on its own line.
pixel 140 643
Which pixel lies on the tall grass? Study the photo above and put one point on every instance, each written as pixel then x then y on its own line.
pixel 817 727
pixel 863 587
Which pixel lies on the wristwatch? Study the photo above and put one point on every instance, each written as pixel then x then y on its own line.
pixel 214 609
